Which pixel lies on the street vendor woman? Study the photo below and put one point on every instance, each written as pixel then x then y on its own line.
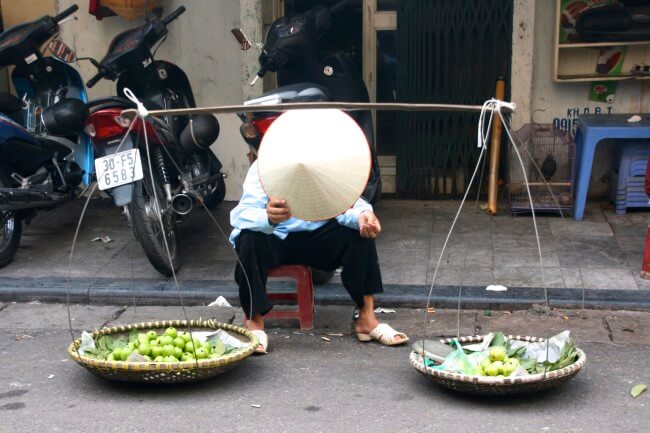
pixel 266 236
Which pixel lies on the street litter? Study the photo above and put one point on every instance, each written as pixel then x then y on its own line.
pixel 326 339
pixel 257 406
pixel 334 335
pixel 380 310
pixel 50 376
pixel 220 302
pixel 104 239
pixel 634 119
pixel 638 389
pixel 496 288
pixel 22 337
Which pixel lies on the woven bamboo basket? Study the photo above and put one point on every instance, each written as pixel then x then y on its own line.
pixel 486 385
pixel 131 9
pixel 165 372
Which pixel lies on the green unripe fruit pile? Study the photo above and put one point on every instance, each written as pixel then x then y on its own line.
pixel 170 346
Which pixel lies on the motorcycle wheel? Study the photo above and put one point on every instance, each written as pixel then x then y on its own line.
pixel 147 214
pixel 321 277
pixel 11 229
pixel 217 195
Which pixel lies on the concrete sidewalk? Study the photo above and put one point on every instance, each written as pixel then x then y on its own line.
pixel 308 384
pixel 601 255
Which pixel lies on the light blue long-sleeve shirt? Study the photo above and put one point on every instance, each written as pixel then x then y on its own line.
pixel 251 214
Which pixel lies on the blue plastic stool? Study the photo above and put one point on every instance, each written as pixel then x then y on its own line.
pixel 627 188
pixel 592 129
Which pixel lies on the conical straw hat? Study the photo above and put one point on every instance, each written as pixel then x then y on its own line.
pixel 317 160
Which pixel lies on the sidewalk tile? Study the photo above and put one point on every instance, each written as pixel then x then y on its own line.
pixel 629 229
pixel 592 251
pixel 642 283
pixel 611 279
pixel 565 227
pixel 516 276
pixel 572 278
pixel 631 243
pixel 471 275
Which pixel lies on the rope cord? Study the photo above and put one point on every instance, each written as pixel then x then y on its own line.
pixel 350 106
pixel 74 244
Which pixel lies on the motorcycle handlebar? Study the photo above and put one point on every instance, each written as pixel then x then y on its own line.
pixel 263 70
pixel 172 16
pixel 66 13
pixel 95 79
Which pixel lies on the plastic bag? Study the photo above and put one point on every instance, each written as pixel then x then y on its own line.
pixel 87 342
pixel 537 351
pixel 458 362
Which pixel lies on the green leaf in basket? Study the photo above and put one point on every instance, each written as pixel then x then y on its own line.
pixel 229 349
pixel 528 364
pixel 100 342
pixel 133 335
pixel 638 389
pixel 517 353
pixel 498 339
pixel 219 347
pixel 119 342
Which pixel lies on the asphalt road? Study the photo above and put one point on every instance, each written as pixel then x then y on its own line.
pixel 308 384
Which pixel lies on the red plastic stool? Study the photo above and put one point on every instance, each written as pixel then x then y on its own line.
pixel 645 269
pixel 304 295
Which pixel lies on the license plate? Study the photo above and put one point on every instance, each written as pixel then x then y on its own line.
pixel 118 169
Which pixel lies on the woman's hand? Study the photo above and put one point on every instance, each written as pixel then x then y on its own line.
pixel 369 226
pixel 277 211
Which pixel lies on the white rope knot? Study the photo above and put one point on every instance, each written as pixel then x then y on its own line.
pixel 142 110
pixel 498 104
pixel 492 105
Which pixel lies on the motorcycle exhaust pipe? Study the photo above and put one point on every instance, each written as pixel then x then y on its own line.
pixel 13 199
pixel 182 204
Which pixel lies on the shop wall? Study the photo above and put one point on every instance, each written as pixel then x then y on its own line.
pixel 562 102
pixel 201 44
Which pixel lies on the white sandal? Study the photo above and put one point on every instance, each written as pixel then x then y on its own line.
pixel 263 339
pixel 385 335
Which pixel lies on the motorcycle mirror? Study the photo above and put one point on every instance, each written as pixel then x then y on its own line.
pixel 61 51
pixel 241 38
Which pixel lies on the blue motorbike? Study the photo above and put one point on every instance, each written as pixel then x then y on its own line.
pixel 42 163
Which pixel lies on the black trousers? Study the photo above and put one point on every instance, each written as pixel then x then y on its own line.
pixel 327 248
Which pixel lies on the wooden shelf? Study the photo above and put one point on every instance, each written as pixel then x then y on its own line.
pixel 600 44
pixel 577 62
pixel 596 77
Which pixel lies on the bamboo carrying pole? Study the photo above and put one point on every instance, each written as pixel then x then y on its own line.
pixel 495 152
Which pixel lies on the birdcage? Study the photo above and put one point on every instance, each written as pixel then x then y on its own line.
pixel 548 156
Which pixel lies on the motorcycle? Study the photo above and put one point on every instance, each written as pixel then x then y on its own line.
pixel 307 73
pixel 40 168
pixel 185 171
